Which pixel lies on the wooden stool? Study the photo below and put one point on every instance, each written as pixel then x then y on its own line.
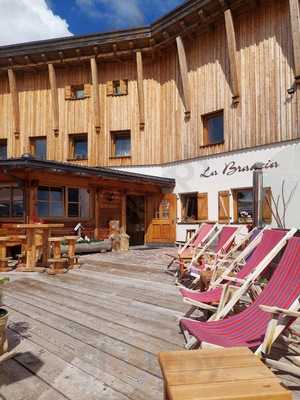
pixel 57 263
pixel 73 259
pixel 3 254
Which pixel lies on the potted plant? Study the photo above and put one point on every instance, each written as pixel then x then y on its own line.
pixel 3 322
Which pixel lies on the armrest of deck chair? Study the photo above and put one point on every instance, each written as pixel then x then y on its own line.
pixel 276 325
pixel 233 279
pixel 227 292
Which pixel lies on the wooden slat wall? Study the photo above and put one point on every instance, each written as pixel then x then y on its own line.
pixel 265 113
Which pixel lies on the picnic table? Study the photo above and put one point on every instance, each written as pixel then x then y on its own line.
pixel 32 236
pixel 218 374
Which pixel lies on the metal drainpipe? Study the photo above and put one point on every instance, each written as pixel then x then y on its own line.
pixel 258 194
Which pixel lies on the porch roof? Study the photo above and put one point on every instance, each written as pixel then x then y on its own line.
pixel 31 163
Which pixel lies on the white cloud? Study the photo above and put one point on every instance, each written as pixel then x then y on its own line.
pixel 29 20
pixel 120 13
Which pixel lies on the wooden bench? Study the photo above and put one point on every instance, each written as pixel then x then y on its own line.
pixel 3 254
pixel 73 259
pixel 216 374
pixel 57 263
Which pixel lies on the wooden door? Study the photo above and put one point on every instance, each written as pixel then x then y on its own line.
pixel 224 209
pixel 161 218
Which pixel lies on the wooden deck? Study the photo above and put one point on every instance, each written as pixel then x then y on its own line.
pixel 94 333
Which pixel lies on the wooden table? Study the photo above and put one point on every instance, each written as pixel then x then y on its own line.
pixel 32 231
pixel 219 374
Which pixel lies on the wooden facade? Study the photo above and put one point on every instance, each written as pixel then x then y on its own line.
pixel 251 58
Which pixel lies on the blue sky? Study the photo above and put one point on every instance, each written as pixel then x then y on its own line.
pixel 88 16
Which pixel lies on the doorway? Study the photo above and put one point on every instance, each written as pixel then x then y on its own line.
pixel 135 219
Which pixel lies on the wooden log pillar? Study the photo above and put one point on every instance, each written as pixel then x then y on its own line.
pixel 232 52
pixel 123 211
pixel 96 99
pixel 54 98
pixel 32 202
pixel 97 214
pixel 140 85
pixel 15 112
pixel 184 75
pixel 295 27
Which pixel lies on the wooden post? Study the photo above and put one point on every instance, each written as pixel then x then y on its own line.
pixel 233 62
pixel 97 214
pixel 96 101
pixel 54 98
pixel 15 110
pixel 295 27
pixel 123 212
pixel 184 75
pixel 140 84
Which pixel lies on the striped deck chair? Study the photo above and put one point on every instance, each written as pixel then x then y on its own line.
pixel 258 326
pixel 201 236
pixel 271 243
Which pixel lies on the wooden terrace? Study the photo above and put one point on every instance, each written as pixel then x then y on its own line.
pixel 93 333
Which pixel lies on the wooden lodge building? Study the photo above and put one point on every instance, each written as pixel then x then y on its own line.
pixel 116 122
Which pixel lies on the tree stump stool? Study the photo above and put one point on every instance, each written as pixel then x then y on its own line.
pixel 3 254
pixel 57 263
pixel 73 259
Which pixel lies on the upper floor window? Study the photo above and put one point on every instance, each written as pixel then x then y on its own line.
pixel 38 147
pixel 11 202
pixel 3 149
pixel 213 128
pixel 77 92
pixel 117 87
pixel 121 144
pixel 78 147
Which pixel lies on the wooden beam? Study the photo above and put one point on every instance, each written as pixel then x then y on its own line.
pixel 295 26
pixel 14 101
pixel 233 62
pixel 54 98
pixel 184 75
pixel 140 84
pixel 96 100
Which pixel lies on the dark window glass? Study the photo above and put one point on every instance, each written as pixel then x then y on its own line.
pixel 11 202
pixel 40 148
pixel 51 202
pixel 80 148
pixel 3 149
pixel 122 145
pixel 73 209
pixel 43 209
pixel 79 93
pixel 117 88
pixel 245 205
pixel 214 128
pixel 17 203
pixel 73 195
pixel 43 193
pixel 78 203
pixel 189 206
pixel 56 194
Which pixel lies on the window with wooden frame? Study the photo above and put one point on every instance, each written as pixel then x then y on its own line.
pixel 117 87
pixel 3 149
pixel 213 128
pixel 62 202
pixel 11 202
pixel 120 144
pixel 38 147
pixel 77 92
pixel 189 207
pixel 78 146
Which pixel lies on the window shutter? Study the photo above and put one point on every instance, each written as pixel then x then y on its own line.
pixel 224 210
pixel 202 207
pixel 87 90
pixel 68 92
pixel 267 206
pixel 124 86
pixel 109 88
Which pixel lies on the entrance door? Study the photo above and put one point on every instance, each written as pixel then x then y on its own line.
pixel 161 218
pixel 135 219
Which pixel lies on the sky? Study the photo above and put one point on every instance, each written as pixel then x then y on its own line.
pixel 30 20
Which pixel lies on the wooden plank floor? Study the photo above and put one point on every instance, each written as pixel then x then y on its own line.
pixel 93 333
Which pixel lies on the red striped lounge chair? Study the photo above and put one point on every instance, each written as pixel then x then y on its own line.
pixel 258 326
pixel 272 242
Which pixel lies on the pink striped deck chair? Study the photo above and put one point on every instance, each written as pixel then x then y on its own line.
pixel 249 328
pixel 270 245
pixel 197 241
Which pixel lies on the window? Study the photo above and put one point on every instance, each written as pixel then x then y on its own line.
pixel 63 202
pixel 117 87
pixel 38 147
pixel 189 207
pixel 213 128
pixel 11 202
pixel 77 92
pixel 78 147
pixel 243 205
pixel 3 149
pixel 121 144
